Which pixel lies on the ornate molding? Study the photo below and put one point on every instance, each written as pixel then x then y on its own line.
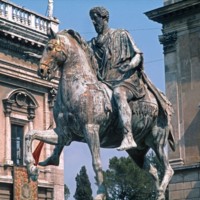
pixel 168 40
pixel 52 97
pixel 173 11
pixel 20 49
pixel 31 112
pixel 7 103
pixel 20 98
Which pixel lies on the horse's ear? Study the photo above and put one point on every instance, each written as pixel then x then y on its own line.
pixel 75 35
pixel 51 34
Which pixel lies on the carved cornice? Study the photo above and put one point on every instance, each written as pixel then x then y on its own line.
pixel 19 49
pixel 21 34
pixel 13 73
pixel 168 40
pixel 173 11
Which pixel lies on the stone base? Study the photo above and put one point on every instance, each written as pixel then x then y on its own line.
pixel 185 184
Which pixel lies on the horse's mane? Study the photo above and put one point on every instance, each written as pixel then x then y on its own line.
pixel 84 45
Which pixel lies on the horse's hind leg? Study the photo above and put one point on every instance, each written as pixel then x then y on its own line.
pixel 160 140
pixel 154 174
pixel 138 157
pixel 92 137
pixel 168 172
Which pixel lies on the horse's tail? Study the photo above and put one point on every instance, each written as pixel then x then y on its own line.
pixel 171 139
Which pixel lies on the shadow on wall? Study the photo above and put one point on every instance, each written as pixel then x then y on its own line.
pixel 192 138
pixel 193 192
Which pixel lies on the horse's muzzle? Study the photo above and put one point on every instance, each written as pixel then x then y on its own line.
pixel 43 71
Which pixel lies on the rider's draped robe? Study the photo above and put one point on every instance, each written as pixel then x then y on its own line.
pixel 115 49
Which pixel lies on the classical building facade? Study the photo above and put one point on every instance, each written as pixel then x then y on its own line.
pixel 26 101
pixel 181 43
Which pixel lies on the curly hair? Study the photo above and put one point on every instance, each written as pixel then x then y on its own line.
pixel 101 11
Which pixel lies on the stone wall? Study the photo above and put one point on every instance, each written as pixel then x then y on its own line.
pixel 181 46
pixel 185 183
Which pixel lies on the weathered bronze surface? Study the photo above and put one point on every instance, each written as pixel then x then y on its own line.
pixel 105 100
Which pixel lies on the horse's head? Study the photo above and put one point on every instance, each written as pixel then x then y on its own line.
pixel 53 56
pixel 64 47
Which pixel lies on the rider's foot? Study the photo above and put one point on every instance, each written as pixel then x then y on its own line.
pixel 52 160
pixel 127 143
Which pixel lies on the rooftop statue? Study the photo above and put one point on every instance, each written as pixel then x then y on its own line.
pixel 104 99
pixel 50 8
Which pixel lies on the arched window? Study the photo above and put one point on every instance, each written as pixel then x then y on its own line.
pixel 19 109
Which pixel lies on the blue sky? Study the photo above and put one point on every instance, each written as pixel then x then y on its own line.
pixel 127 14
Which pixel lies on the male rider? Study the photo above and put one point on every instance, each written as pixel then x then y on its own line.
pixel 120 63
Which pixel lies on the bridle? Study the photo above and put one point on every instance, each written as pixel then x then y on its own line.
pixel 57 47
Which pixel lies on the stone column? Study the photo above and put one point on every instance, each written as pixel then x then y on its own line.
pixel 49 99
pixel 173 92
pixel 31 116
pixel 47 151
pixel 7 110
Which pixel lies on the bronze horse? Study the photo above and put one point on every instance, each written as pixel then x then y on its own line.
pixel 85 111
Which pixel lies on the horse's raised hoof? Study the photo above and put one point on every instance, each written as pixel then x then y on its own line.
pixel 127 143
pixel 52 160
pixel 100 197
pixel 33 172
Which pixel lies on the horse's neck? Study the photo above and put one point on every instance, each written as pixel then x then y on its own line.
pixel 78 65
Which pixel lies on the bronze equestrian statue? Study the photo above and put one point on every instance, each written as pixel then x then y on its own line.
pixel 104 99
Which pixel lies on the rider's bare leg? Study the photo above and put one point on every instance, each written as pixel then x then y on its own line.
pixel 122 95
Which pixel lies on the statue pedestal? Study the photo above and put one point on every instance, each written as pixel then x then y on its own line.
pixel 23 188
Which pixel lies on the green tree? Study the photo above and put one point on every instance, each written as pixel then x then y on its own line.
pixel 83 186
pixel 66 192
pixel 125 181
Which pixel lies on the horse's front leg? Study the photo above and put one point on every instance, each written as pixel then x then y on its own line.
pixel 48 136
pixel 92 136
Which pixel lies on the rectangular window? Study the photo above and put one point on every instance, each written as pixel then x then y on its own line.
pixel 17 132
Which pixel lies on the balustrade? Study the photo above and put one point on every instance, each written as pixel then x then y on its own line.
pixel 24 17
